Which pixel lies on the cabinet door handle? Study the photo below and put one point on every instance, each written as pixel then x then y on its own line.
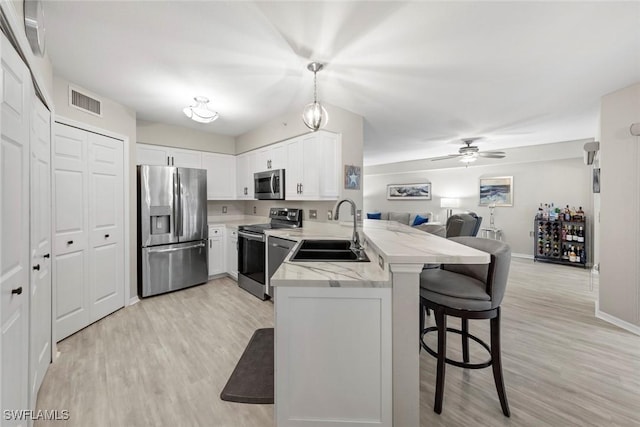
pixel 301 189
pixel 210 243
pixel 70 242
pixel 36 267
pixel 172 160
pixel 46 256
pixel 16 291
pixel 168 161
pixel 106 236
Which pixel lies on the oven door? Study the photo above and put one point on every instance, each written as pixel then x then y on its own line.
pixel 269 185
pixel 251 263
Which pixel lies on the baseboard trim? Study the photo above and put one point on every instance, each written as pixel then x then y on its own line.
pixel 134 300
pixel 517 255
pixel 635 329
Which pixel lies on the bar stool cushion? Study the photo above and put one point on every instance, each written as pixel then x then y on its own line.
pixel 454 290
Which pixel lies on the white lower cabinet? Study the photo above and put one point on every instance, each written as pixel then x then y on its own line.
pixel 231 252
pixel 339 341
pixel 216 251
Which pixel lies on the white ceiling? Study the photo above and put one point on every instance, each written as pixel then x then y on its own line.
pixel 422 74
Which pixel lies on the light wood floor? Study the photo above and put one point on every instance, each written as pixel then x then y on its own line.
pixel 164 361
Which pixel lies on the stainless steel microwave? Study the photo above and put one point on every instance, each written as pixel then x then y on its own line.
pixel 269 185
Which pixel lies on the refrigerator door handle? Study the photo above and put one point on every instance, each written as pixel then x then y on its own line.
pixel 159 251
pixel 179 208
pixel 175 204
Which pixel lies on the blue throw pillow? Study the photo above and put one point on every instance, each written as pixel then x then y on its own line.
pixel 374 215
pixel 419 220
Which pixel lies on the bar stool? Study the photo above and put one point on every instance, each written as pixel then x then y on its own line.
pixel 467 292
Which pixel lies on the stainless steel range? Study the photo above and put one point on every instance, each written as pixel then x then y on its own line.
pixel 251 249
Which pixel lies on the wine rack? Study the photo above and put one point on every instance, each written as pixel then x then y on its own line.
pixel 560 241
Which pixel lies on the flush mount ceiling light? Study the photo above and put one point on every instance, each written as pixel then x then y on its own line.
pixel 314 115
pixel 200 112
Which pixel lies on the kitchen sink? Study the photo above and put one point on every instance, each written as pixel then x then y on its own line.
pixel 328 251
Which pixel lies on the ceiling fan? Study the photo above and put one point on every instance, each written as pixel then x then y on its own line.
pixel 470 153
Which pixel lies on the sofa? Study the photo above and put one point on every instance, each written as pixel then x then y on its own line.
pixel 465 224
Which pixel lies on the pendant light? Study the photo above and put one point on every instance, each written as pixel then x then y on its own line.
pixel 200 112
pixel 314 115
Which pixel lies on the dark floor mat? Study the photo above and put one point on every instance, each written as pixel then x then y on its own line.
pixel 252 379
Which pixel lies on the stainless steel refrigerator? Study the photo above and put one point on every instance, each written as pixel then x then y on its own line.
pixel 172 228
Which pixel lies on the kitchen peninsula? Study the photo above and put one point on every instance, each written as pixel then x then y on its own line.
pixel 346 341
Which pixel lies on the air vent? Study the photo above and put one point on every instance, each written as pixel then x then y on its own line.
pixel 84 102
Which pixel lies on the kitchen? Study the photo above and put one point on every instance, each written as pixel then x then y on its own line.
pixel 122 121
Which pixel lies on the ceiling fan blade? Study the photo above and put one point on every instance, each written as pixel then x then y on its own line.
pixel 490 155
pixel 450 156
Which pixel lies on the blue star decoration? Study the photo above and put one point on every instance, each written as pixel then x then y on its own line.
pixel 353 180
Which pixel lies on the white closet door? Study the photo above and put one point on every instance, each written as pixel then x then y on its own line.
pixel 40 300
pixel 14 231
pixel 70 230
pixel 106 218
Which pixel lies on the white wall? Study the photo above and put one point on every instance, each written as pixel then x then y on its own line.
pixel 115 118
pixel 176 136
pixel 619 290
pixel 565 181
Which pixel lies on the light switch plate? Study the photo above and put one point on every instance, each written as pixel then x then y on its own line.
pixel 224 209
pixel 313 214
pixel 329 215
pixel 358 214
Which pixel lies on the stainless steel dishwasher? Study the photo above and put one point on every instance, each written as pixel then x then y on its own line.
pixel 277 251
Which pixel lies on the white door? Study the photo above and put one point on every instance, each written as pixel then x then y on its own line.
pixel 244 173
pixel 186 158
pixel 106 222
pixel 40 300
pixel 311 167
pixel 278 157
pixel 216 250
pixel 14 232
pixel 152 155
pixel 231 253
pixel 70 232
pixel 293 174
pixel 330 171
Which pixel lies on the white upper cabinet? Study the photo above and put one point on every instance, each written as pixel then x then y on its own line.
pixel 245 167
pixel 313 171
pixel 272 157
pixel 221 176
pixel 158 155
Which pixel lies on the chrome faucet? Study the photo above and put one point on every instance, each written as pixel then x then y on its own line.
pixel 355 240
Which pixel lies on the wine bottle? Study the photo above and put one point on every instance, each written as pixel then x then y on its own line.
pixel 572 254
pixel 581 235
pixel 564 232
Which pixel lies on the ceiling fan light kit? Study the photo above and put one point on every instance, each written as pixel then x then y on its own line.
pixel 315 115
pixel 470 153
pixel 200 112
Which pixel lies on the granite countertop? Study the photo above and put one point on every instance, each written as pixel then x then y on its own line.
pixel 234 221
pixel 328 274
pixel 389 241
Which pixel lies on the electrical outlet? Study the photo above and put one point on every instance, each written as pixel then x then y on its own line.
pixel 254 210
pixel 224 209
pixel 530 233
pixel 329 215
pixel 359 214
pixel 313 214
pixel 380 261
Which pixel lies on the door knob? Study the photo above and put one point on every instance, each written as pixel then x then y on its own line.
pixel 16 291
pixel 36 267
pixel 106 236
pixel 70 242
pixel 46 256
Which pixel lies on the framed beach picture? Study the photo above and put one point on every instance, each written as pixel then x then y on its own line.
pixel 497 191
pixel 409 191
